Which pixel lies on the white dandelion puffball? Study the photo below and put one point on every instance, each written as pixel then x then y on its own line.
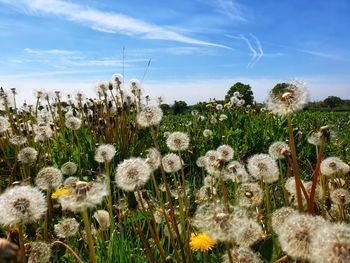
pixel 49 178
pixel 249 195
pixel 150 116
pixel 73 123
pixel 207 133
pixel 27 155
pixel 340 196
pixel 21 205
pixel 104 153
pixel 69 168
pixel 333 165
pixel 178 141
pixel 287 98
pixel 241 255
pixel 67 227
pixel 278 150
pixel 225 152
pixel 263 167
pixel 153 158
pixel 331 244
pixel 103 219
pixel 83 195
pixel 4 124
pixel 171 163
pixel 132 174
pixel 40 252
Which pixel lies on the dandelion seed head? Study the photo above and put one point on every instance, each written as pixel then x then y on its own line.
pixel 70 182
pixel 67 227
pixel 73 123
pixel 178 141
pixel 249 195
pixel 83 195
pixel 40 252
pixel 201 162
pixel 315 138
pixel 225 152
pixel 263 167
pixel 150 116
pixel 103 219
pixel 104 153
pixel 153 158
pixel 69 168
pixel 171 163
pixel 287 99
pixel 42 133
pixel 248 233
pixel 242 255
pixel 278 150
pixel 296 236
pixel 340 196
pixel 132 174
pixel 49 178
pixel 223 117
pixel 27 155
pixel 333 165
pixel 117 79
pixel 18 140
pixel 207 133
pixel 21 205
pixel 331 244
pixel 4 124
pixel 279 216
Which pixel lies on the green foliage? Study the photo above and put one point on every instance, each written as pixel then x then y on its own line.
pixel 333 101
pixel 179 107
pixel 244 90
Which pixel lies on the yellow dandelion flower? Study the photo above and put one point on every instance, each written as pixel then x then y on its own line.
pixel 226 105
pixel 201 242
pixel 59 192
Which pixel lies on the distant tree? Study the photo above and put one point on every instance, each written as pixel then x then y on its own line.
pixel 333 101
pixel 244 90
pixel 179 107
pixel 279 87
pixel 165 108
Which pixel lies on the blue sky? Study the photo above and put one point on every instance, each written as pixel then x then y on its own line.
pixel 198 48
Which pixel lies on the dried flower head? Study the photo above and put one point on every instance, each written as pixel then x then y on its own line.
pixel 241 255
pixel 153 158
pixel 21 205
pixel 69 168
pixel 331 244
pixel 150 116
pixel 279 150
pixel 49 178
pixel 171 163
pixel 132 174
pixel 340 196
pixel 297 233
pixel 83 195
pixel 249 195
pixel 73 123
pixel 279 216
pixel 248 233
pixel 18 140
pixel 67 227
pixel 27 155
pixel 104 153
pixel 207 133
pixel 201 242
pixel 263 167
pixel 214 220
pixel 178 141
pixel 333 165
pixel 42 133
pixel 287 98
pixel 40 252
pixel 103 219
pixel 225 152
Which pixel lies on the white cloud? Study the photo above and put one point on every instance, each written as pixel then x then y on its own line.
pixel 104 21
pixel 50 52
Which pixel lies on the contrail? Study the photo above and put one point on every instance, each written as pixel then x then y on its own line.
pixel 254 53
pixel 261 52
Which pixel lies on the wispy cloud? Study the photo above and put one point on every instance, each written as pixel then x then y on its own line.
pixel 322 54
pixel 254 45
pixel 104 21
pixel 231 8
pixel 50 51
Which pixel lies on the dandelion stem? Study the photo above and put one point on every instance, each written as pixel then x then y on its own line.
pixel 70 250
pixel 21 243
pixel 89 236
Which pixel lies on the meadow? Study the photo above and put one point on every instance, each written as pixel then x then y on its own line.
pixel 113 179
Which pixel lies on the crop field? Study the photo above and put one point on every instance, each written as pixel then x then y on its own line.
pixel 114 179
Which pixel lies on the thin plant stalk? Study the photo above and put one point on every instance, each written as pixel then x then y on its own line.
pixel 21 243
pixel 90 241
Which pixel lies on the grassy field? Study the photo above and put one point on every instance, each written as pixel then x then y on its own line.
pixel 156 207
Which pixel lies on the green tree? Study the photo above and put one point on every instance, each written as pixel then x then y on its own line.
pixel 179 107
pixel 333 101
pixel 244 90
